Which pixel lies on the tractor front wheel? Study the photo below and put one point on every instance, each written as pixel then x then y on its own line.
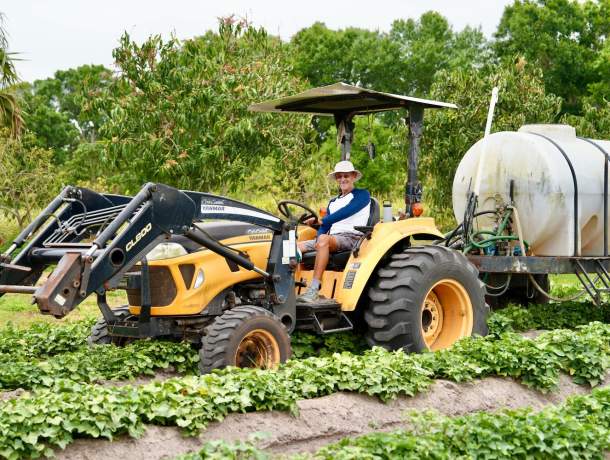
pixel 245 336
pixel 425 298
pixel 99 332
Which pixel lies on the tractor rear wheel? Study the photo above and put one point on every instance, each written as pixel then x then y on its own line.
pixel 425 298
pixel 245 336
pixel 99 332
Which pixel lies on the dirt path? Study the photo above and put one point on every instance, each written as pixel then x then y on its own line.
pixel 328 419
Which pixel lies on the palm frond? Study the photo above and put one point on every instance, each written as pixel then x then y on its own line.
pixel 10 113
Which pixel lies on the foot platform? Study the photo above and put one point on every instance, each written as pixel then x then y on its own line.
pixel 322 317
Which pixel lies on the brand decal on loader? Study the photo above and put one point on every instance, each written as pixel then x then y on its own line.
pixel 208 208
pixel 138 237
pixel 217 207
pixel 265 237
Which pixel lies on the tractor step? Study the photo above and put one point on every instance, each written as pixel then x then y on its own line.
pixel 322 317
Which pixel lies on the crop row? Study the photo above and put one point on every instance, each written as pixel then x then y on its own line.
pixel 579 428
pixel 44 339
pixel 41 354
pixel 51 417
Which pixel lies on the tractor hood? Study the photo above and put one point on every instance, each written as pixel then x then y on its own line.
pixel 343 98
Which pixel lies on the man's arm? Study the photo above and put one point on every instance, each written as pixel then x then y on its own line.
pixel 362 198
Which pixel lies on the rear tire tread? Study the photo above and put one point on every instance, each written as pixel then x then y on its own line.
pixel 392 297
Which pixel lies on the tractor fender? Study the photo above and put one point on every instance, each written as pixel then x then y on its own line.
pixel 385 236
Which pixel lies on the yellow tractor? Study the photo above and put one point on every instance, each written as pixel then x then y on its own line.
pixel 225 275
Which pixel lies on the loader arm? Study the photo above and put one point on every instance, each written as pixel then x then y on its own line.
pixel 126 229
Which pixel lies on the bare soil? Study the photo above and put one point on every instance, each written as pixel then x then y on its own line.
pixel 328 419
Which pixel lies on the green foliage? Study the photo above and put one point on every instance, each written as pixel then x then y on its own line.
pixel 52 417
pixel 66 110
pixel 404 61
pixel 429 45
pixel 26 177
pixel 221 450
pixel 599 91
pixel 579 428
pixel 355 56
pixel 305 345
pixel 564 38
pixel 594 122
pixel 42 354
pixel 448 134
pixel 10 110
pixel 566 315
pixel 42 339
pixel 584 353
pixel 185 121
pixel 96 364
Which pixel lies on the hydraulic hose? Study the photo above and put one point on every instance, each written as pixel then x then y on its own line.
pixel 531 277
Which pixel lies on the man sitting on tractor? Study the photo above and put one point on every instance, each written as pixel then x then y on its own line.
pixel 347 210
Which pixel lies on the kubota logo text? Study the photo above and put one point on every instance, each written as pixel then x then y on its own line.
pixel 139 236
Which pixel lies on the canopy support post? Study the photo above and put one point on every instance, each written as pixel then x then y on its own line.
pixel 413 188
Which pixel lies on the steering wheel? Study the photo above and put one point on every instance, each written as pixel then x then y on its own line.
pixel 283 208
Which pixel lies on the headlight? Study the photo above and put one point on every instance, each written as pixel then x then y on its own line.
pixel 166 251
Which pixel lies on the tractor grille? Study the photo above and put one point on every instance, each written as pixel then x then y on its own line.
pixel 162 287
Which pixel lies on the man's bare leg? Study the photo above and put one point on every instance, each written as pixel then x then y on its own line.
pixel 324 246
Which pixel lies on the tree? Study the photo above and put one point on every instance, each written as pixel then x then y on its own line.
pixel 355 56
pixel 429 45
pixel 10 112
pixel 448 134
pixel 594 122
pixel 185 121
pixel 66 109
pixel 404 60
pixel 564 38
pixel 27 177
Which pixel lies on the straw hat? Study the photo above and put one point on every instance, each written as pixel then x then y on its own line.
pixel 345 167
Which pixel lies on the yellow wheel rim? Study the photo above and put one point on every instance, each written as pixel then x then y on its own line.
pixel 446 314
pixel 259 349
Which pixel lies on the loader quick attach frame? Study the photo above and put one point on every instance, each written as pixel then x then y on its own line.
pixel 95 239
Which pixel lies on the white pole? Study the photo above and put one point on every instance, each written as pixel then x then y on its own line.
pixel 490 116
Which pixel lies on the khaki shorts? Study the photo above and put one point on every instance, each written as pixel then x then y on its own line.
pixel 345 242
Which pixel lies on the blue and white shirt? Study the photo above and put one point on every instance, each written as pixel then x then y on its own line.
pixel 345 212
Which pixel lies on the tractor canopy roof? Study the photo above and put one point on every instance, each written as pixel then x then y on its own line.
pixel 341 99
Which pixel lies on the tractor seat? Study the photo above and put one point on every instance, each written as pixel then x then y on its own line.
pixel 338 260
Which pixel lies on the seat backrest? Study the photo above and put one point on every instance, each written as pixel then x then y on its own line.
pixel 375 214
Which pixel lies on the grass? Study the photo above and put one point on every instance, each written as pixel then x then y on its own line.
pixel 18 310
pixel 565 281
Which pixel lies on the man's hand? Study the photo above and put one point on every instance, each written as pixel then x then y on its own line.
pixel 311 221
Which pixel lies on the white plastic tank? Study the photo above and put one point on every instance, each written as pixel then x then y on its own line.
pixel 543 187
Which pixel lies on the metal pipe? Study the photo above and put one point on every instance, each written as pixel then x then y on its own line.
pixel 15 289
pixel 142 196
pixel 38 221
pixel 200 237
pixel 413 188
pixel 55 254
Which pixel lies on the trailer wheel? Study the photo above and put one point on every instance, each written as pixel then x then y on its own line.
pixel 245 336
pixel 99 332
pixel 425 298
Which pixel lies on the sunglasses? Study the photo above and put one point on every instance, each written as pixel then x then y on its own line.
pixel 341 176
